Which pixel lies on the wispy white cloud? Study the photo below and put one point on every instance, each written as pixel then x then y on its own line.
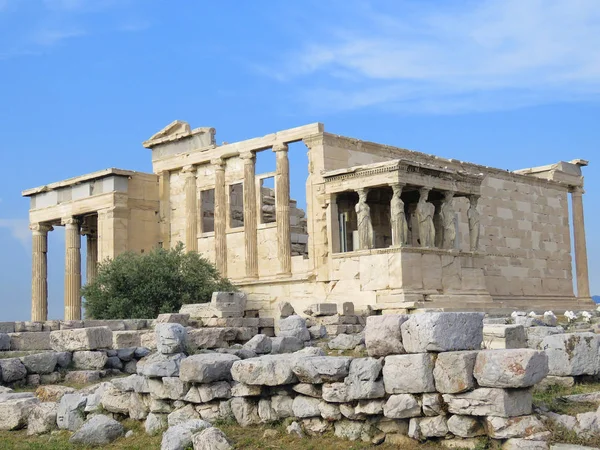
pixel 51 37
pixel 478 56
pixel 19 229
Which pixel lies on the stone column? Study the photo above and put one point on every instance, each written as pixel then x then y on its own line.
pixel 220 216
pixel 39 271
pixel 164 197
pixel 250 224
pixel 581 261
pixel 91 262
pixel 282 209
pixel 398 217
pixel 363 216
pixel 72 269
pixel 191 209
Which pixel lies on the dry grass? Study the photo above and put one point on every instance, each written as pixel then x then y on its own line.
pixel 552 399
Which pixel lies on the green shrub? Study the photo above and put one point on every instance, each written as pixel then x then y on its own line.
pixel 142 286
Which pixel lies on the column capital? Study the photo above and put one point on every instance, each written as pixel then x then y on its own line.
pixel 41 228
pixel 577 190
pixel 70 221
pixel 280 147
pixel 247 156
pixel 219 163
pixel 189 169
pixel 397 187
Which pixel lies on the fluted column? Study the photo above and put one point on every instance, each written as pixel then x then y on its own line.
pixel 191 209
pixel 39 271
pixel 581 261
pixel 282 209
pixel 250 226
pixel 220 216
pixel 164 197
pixel 72 269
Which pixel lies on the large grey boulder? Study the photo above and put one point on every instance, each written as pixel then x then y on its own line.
pixel 94 338
pixel 179 437
pixel 305 407
pixel 259 344
pixel 155 423
pixel 207 368
pixel 402 406
pixel 515 368
pixel 245 411
pixel 535 335
pixel 211 439
pixel 409 374
pixel 15 412
pixel 12 369
pixel 383 334
pixel 268 370
pixel 453 372
pixel 346 341
pixel 490 402
pixel 514 427
pixel 70 414
pixel 41 363
pixel 442 332
pixel 572 354
pixel 362 382
pixel 42 418
pixel 89 360
pixel 322 369
pixel 132 383
pixel 159 365
pixel 99 430
pixel 170 338
pixel 465 426
pixel 285 344
pixel 294 326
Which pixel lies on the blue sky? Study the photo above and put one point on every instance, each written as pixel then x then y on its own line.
pixel 506 83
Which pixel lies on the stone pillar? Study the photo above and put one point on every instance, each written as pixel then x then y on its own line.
pixel 39 271
pixel 91 262
pixel 398 217
pixel 250 224
pixel 282 209
pixel 363 216
pixel 164 197
pixel 220 216
pixel 191 209
pixel 581 261
pixel 72 269
pixel 474 223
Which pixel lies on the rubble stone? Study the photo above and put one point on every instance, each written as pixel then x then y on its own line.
pixel 409 374
pixel 207 368
pixel 81 339
pixel 453 372
pixel 514 368
pixel 383 334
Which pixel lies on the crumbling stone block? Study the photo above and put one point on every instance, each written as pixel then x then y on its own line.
pixel 81 339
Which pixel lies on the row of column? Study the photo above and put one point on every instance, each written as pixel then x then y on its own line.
pixel 39 264
pixel 282 211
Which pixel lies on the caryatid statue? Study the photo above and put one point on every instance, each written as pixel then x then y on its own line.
pixel 448 216
pixel 363 216
pixel 425 212
pixel 398 217
pixel 474 223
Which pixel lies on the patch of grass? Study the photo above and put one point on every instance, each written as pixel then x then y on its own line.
pixel 552 398
pixel 563 435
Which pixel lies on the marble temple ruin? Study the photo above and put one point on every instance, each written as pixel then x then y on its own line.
pixel 385 228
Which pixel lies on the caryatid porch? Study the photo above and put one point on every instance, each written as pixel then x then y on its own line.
pixel 102 206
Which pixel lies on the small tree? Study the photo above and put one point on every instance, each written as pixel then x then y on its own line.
pixel 145 285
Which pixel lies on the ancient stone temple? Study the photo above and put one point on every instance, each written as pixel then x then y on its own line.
pixel 385 228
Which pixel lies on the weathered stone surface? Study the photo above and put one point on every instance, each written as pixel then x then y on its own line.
pixel 336 393
pixel 12 369
pixel 572 354
pixel 315 426
pixel 4 342
pixel 305 407
pixel 244 390
pixel 30 341
pixel 442 332
pixel 346 341
pixel 322 369
pixel 321 309
pixel 99 430
pixel 7 327
pixel 317 331
pixel 362 380
pixel 429 427
pixel 433 405
pixel 42 418
pixel 82 376
pixel 207 368
pixel 504 336
pixel 181 318
pixel 15 412
pixel 182 415
pixel 514 427
pixel 528 444
pixel 63 359
pixel 211 439
pixel 89 360
pixel 294 326
pixel 329 411
pixel 453 372
pixel 259 344
pixel 52 393
pixel 128 338
pixel 245 411
pixel 465 426
pixel 383 334
pixel 409 374
pixel 550 381
pixel 536 335
pixel 217 390
pixel 370 407
pixel 159 365
pixel 348 429
pixel 113 400
pixel 208 338
pixel 514 368
pixel 81 339
pixel 70 414
pixel 310 390
pixel 170 338
pixel 114 362
pixel 155 423
pixel 285 344
pixel 179 437
pixel 402 406
pixel 138 406
pixel 490 402
pixel 286 310
pixel 269 370
pixel 282 405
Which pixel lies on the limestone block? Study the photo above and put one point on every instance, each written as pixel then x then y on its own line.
pixel 148 339
pixel 282 405
pixel 310 390
pixel 402 406
pixel 453 372
pixel 369 408
pixel 362 380
pixel 514 368
pixel 41 363
pixel 70 414
pixel 42 418
pixel 71 324
pixel 15 413
pixel 286 310
pixel 132 383
pixel 305 407
pixel 82 376
pixel 244 390
pixel 21 327
pixel 12 369
pixel 245 411
pixel 170 338
pixel 159 365
pixel 180 436
pixel 81 339
pixel 329 411
pixel 88 360
pixel 409 374
pixel 349 429
pixel 383 334
pixel 114 401
pixel 572 354
pixel 155 423
pixel 181 318
pixel 442 332
pixel 210 337
pixel 322 369
pixel 535 335
pixel 7 327
pixel 127 339
pixel 433 405
pixel 182 415
pixel 294 326
pixel 207 368
pixel 259 344
pixel 428 427
pixel 551 381
pixel 269 370
pixel 52 393
pixel 97 431
pixel 30 341
pixel 528 444
pixel 504 336
pixel 346 341
pixel 212 391
pixel 514 427
pixel 490 402
pixel 321 309
pixel 336 393
pixel 211 439
pixel 465 426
